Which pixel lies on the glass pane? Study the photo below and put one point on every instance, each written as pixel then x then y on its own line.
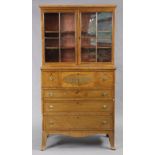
pixel 88 37
pixel 67 37
pixel 67 55
pixel 51 37
pixel 67 40
pixel 52 55
pixel 88 42
pixel 104 36
pixel 67 22
pixel 59 37
pixel 89 23
pixel 104 55
pixel 51 21
pixel 104 21
pixel 52 42
pixel 104 39
pixel 88 55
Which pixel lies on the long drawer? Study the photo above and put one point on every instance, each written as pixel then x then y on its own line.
pixel 100 79
pixel 78 106
pixel 80 122
pixel 75 93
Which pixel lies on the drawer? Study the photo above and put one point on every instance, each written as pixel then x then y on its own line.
pixel 50 79
pixel 87 79
pixel 78 106
pixel 79 122
pixel 57 93
pixel 78 79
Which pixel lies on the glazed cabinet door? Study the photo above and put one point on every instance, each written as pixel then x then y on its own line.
pixel 96 37
pixel 60 37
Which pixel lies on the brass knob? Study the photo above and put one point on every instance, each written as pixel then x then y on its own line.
pixel 104 94
pixel 77 102
pixel 104 106
pixel 51 123
pixel 77 91
pixel 51 78
pixel 77 117
pixel 104 78
pixel 51 106
pixel 104 122
pixel 50 94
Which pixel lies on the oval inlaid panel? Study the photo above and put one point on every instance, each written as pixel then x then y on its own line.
pixel 79 79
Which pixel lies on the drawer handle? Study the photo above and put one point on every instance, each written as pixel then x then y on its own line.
pixel 51 78
pixel 104 122
pixel 77 102
pixel 51 123
pixel 104 78
pixel 50 94
pixel 77 91
pixel 51 106
pixel 104 106
pixel 104 94
pixel 77 117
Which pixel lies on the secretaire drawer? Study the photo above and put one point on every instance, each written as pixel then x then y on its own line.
pixel 92 80
pixel 78 106
pixel 73 93
pixel 79 122
pixel 87 79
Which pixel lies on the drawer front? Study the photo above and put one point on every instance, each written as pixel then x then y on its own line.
pixel 78 122
pixel 78 93
pixel 50 79
pixel 105 79
pixel 78 79
pixel 78 106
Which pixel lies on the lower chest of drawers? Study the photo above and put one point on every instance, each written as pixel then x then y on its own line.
pixel 78 100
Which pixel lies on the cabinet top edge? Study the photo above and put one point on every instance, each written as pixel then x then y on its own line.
pixel 78 68
pixel 48 6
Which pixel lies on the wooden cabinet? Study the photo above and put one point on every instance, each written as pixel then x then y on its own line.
pixel 78 71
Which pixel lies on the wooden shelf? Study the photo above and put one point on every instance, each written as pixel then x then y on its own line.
pixel 64 32
pixel 51 31
pixel 51 37
pixel 105 31
pixel 85 32
pixel 67 47
pixel 60 47
pixel 104 38
pixel 49 48
pixel 104 47
pixel 97 47
pixel 88 37
pixel 88 47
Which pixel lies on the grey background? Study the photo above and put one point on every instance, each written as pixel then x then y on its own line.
pixel 60 145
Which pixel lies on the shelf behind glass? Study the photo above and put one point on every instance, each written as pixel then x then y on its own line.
pixel 68 55
pixel 52 55
pixel 88 55
pixel 51 22
pixel 104 55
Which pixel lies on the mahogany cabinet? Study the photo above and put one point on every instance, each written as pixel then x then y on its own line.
pixel 78 71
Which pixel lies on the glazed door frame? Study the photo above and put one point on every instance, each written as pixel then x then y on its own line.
pixel 75 12
pixel 95 10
